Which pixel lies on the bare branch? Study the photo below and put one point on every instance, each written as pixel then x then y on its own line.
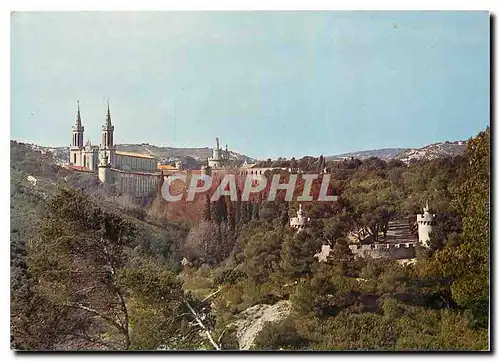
pixel 97 313
pixel 222 334
pixel 212 294
pixel 198 321
pixel 125 312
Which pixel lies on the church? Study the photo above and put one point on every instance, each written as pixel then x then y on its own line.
pixel 88 155
pixel 132 173
pixel 136 174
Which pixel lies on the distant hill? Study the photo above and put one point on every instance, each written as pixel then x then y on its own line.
pixel 433 151
pixel 162 154
pixel 386 154
pixel 172 154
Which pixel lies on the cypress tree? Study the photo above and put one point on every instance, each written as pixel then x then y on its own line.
pixel 207 209
pixel 255 211
pixel 231 221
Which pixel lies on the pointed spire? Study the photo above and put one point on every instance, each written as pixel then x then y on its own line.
pixel 78 121
pixel 108 118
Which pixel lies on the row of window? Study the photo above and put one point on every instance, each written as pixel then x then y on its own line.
pixel 137 184
pixel 135 163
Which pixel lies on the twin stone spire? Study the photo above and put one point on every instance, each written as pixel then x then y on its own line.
pixel 78 128
pixel 78 120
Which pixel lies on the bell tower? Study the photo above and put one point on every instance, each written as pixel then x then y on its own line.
pixel 107 142
pixel 76 149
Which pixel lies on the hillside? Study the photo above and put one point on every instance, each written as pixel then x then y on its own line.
pixel 385 154
pixel 28 201
pixel 242 276
pixel 433 151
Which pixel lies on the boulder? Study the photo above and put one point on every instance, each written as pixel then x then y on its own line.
pixel 252 321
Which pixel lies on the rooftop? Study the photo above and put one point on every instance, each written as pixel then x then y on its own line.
pixel 152 173
pixel 137 155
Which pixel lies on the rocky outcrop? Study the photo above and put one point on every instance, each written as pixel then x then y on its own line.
pixel 252 320
pixel 434 151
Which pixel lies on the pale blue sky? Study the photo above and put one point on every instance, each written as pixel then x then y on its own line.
pixel 268 84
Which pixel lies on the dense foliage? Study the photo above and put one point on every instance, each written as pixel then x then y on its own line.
pixel 92 274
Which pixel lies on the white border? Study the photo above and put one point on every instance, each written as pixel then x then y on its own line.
pixel 65 5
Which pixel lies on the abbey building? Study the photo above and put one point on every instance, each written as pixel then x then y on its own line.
pixel 133 173
pixel 136 174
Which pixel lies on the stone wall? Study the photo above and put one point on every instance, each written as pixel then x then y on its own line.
pixel 396 251
pixel 138 184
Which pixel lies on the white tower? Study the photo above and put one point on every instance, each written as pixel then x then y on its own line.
pixel 425 222
pixel 104 169
pixel 300 222
pixel 216 160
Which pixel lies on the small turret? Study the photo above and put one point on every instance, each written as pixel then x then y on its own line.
pixel 425 222
pixel 103 160
pixel 104 169
pixel 217 159
pixel 300 222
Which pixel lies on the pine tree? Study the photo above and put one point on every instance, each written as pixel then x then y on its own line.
pixel 297 253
